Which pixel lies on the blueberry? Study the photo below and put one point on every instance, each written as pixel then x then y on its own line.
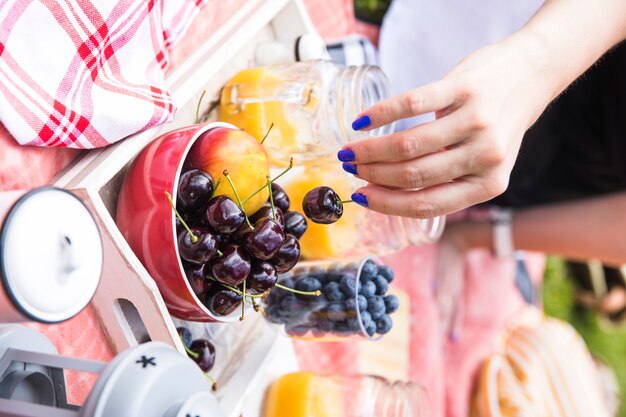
pixel 351 304
pixel 368 271
pixel 325 326
pixel 376 306
pixel 333 292
pixel 351 268
pixel 334 277
pixel 383 324
pixel 366 318
pixel 386 272
pixel 297 331
pixel 362 303
pixel 185 336
pixel 353 324
pixel 391 303
pixel 335 312
pixel 342 329
pixel 290 305
pixel 317 272
pixel 382 285
pixel 286 282
pixel 367 289
pixel 371 329
pixel 308 284
pixel 348 285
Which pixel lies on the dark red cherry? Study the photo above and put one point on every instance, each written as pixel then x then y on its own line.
pixel 195 187
pixel 265 240
pixel 233 267
pixel 288 255
pixel 224 215
pixel 322 205
pixel 206 354
pixel 222 302
pixel 266 211
pixel 280 197
pixel 295 224
pixel 262 277
pixel 197 276
pixel 200 251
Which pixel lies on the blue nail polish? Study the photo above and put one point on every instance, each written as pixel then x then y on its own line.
pixel 360 199
pixel 361 123
pixel 454 337
pixel 349 168
pixel 345 155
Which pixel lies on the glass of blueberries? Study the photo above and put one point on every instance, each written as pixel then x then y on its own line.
pixel 354 300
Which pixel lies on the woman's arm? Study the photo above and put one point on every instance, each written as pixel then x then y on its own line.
pixel 593 228
pixel 483 106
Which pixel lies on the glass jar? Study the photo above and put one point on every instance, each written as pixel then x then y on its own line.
pixel 309 106
pixel 309 394
pixel 354 300
pixel 360 231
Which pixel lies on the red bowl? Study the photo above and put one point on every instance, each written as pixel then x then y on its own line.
pixel 147 221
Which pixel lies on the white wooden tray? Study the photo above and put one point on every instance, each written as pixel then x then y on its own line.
pixel 128 304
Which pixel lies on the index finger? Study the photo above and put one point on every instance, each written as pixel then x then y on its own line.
pixel 428 98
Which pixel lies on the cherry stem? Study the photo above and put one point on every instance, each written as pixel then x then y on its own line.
pixel 236 291
pixel 269 188
pixel 243 305
pixel 237 197
pixel 191 353
pixel 258 308
pixel 217 184
pixel 194 238
pixel 198 106
pixel 271 181
pixel 345 201
pixel 213 381
pixel 267 133
pixel 219 253
pixel 316 293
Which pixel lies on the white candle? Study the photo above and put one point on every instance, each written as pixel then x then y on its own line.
pixel 50 255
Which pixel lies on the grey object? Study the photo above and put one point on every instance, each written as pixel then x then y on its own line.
pixel 148 380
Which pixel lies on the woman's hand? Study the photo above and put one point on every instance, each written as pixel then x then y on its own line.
pixel 483 107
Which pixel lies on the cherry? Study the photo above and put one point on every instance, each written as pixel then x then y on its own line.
pixel 195 188
pixel 295 224
pixel 281 199
pixel 288 255
pixel 185 336
pixel 222 302
pixel 224 215
pixel 265 240
pixel 266 211
pixel 322 205
pixel 205 354
pixel 263 277
pixel 233 267
pixel 197 276
pixel 199 250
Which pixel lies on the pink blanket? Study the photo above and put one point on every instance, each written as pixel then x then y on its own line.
pixel 445 369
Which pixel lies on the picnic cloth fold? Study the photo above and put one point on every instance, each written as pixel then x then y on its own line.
pixel 85 74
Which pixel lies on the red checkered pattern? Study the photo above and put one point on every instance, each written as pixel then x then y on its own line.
pixel 84 74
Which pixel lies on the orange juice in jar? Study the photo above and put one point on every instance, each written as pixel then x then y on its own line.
pixel 310 105
pixel 359 231
pixel 309 394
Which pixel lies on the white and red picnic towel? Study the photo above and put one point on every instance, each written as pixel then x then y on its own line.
pixel 84 74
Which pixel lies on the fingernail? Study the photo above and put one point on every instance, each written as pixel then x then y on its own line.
pixel 345 155
pixel 360 199
pixel 361 123
pixel 454 337
pixel 349 168
pixel 433 287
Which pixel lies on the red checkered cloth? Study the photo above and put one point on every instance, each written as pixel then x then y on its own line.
pixel 84 74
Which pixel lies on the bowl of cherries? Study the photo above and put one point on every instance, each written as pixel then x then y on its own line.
pixel 200 211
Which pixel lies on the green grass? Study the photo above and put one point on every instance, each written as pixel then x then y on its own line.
pixel 605 343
